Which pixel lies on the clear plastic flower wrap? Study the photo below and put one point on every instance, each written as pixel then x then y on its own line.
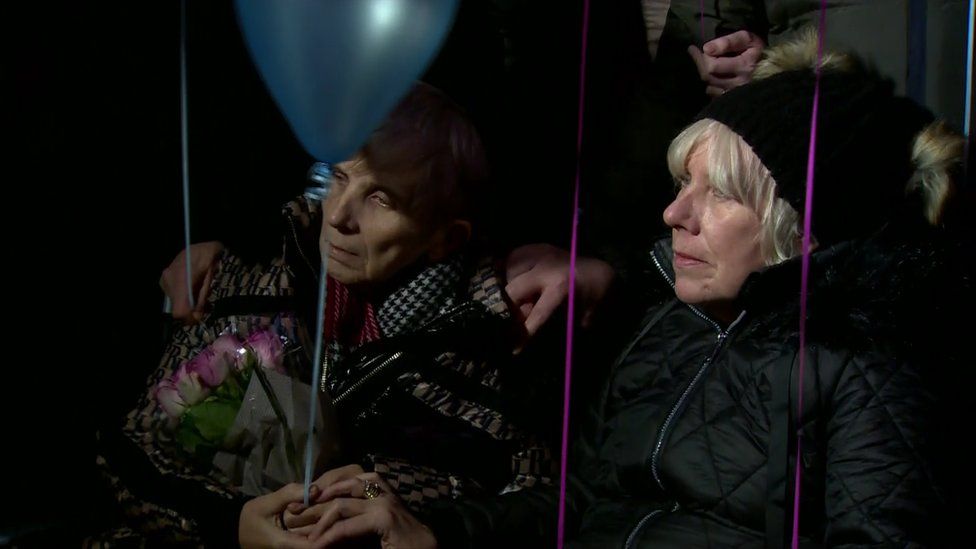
pixel 239 406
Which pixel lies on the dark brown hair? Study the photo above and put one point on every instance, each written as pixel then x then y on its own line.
pixel 429 139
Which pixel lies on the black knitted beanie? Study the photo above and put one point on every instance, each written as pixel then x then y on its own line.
pixel 863 148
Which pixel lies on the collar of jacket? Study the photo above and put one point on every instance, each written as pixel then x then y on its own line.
pixel 762 288
pixel 899 288
pixel 484 291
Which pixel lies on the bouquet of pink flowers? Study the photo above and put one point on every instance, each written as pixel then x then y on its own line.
pixel 206 392
pixel 240 408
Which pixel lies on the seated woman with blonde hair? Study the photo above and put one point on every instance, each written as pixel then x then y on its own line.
pixel 693 440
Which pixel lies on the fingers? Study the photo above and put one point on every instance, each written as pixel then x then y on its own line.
pixel 279 500
pixel 174 283
pixel 523 259
pixel 375 477
pixel 737 81
pixel 734 43
pixel 353 487
pixel 722 85
pixel 538 290
pixel 258 527
pixel 342 508
pixel 303 531
pixel 699 59
pixel 335 475
pixel 349 518
pixel 524 288
pixel 714 69
pixel 727 67
pixel 203 290
pixel 548 302
pixel 304 517
pixel 594 278
pixel 721 74
pixel 291 540
pixel 181 308
pixel 354 527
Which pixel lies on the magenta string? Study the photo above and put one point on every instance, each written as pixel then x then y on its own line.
pixel 805 273
pixel 701 21
pixel 560 535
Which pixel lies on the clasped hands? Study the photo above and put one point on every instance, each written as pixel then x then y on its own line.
pixel 344 504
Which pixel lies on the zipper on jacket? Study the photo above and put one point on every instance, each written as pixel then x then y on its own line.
pixel 640 524
pixel 721 337
pixel 656 454
pixel 325 374
pixel 696 310
pixel 369 375
pixel 447 316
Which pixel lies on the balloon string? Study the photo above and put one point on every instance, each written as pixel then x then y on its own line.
pixel 969 86
pixel 805 273
pixel 572 287
pixel 316 373
pixel 185 152
pixel 321 175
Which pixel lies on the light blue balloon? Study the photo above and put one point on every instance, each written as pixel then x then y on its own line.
pixel 337 67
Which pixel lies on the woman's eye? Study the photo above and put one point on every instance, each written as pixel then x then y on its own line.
pixel 721 195
pixel 380 200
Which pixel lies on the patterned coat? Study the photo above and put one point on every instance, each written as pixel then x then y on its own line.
pixel 434 405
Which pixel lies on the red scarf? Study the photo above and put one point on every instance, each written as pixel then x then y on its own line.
pixel 349 318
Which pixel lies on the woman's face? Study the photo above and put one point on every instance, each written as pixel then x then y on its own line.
pixel 373 226
pixel 715 239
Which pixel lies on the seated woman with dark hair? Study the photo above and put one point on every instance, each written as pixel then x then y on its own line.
pixel 418 339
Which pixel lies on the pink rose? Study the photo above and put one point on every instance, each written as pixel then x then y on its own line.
pixel 211 367
pixel 189 386
pixel 229 347
pixel 268 349
pixel 169 399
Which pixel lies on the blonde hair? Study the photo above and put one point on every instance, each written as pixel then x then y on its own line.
pixel 936 154
pixel 734 170
pixel 801 53
pixel 937 150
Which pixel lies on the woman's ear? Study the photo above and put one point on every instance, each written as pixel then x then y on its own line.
pixel 449 239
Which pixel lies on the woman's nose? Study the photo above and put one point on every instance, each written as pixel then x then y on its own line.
pixel 342 211
pixel 681 212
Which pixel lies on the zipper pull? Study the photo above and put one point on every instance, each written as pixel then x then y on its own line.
pixel 323 383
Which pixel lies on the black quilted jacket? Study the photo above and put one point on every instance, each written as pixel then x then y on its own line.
pixel 693 441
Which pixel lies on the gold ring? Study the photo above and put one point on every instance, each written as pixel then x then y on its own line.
pixel 371 490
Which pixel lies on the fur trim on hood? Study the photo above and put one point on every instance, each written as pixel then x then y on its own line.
pixel 904 291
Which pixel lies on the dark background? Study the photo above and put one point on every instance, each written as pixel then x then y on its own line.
pixel 92 172
pixel 92 175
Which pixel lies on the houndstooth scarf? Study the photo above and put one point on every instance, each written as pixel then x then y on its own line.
pixel 352 321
